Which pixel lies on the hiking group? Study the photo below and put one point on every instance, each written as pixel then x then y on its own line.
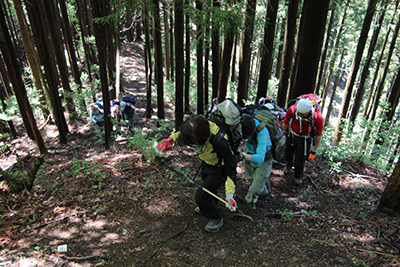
pixel 123 108
pixel 258 135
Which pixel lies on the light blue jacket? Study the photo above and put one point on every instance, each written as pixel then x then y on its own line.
pixel 258 145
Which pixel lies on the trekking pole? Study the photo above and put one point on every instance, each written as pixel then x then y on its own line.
pixel 205 189
pixel 226 202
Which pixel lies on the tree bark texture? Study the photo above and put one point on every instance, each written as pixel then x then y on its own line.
pixel 312 27
pixel 158 59
pixel 288 51
pixel 391 195
pixel 245 52
pixel 179 59
pixel 267 49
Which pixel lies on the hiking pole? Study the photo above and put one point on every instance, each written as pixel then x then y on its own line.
pixel 205 189
pixel 226 202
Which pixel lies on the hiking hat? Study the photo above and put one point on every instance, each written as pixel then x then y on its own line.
pixel 304 106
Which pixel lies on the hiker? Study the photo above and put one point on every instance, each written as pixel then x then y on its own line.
pixel 217 167
pixel 125 105
pixel 96 114
pixel 303 125
pixel 257 159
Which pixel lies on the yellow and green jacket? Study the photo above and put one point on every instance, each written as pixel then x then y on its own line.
pixel 221 154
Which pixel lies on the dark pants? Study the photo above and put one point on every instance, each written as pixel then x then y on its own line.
pixel 295 147
pixel 212 180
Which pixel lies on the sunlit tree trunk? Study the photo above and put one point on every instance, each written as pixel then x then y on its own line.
pixel 30 51
pixel 13 67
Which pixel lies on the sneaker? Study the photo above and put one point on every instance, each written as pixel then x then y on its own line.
pixel 198 211
pixel 298 181
pixel 287 169
pixel 213 225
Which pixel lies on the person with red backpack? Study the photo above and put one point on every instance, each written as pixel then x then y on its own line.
pixel 303 125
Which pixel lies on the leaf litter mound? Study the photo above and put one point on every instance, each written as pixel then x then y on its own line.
pixel 115 208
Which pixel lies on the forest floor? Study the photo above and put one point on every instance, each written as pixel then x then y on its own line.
pixel 95 207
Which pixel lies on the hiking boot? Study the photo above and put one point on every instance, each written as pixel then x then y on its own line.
pixel 198 211
pixel 287 169
pixel 298 181
pixel 213 225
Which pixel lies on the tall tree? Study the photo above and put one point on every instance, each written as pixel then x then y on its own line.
pixel 389 113
pixel 54 18
pixel 391 195
pixel 288 51
pixel 312 27
pixel 382 80
pixel 158 59
pixel 187 59
pixel 32 57
pixel 199 56
pixel 147 58
pixel 67 33
pixel 267 49
pixel 101 43
pixel 354 69
pixel 7 49
pixel 179 59
pixel 215 50
pixel 230 27
pixel 333 56
pixel 365 72
pixel 166 42
pixel 245 52
pixel 34 13
pixel 324 51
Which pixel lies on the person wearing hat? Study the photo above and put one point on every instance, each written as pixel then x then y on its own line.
pixel 303 125
pixel 96 114
pixel 257 159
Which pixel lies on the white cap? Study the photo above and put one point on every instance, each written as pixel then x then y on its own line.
pixel 304 105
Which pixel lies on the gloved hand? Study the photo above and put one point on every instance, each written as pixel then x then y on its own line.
pixel 311 156
pixel 231 203
pixel 165 145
